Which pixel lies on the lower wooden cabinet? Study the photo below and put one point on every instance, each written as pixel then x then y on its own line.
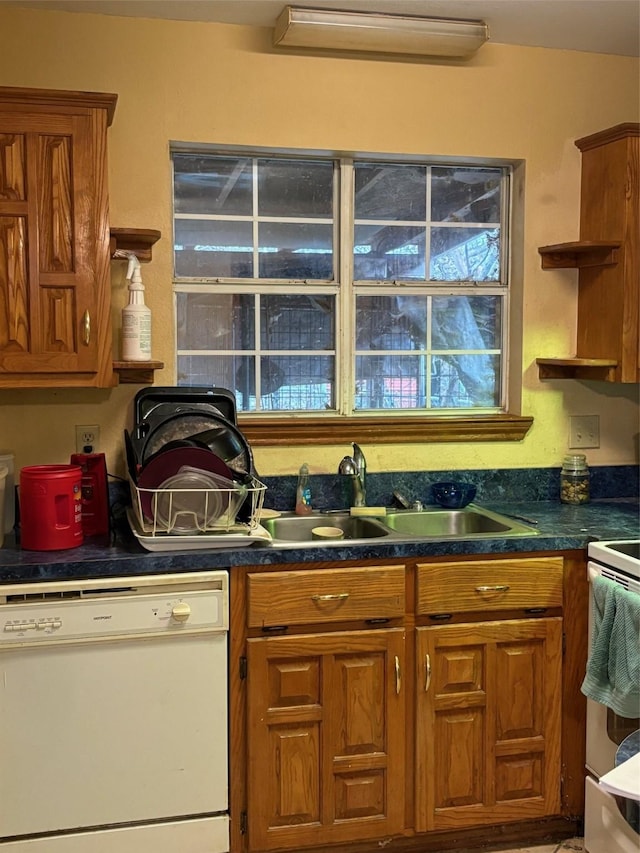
pixel 395 704
pixel 325 738
pixel 488 722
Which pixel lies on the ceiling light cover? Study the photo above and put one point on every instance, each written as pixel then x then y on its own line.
pixel 365 31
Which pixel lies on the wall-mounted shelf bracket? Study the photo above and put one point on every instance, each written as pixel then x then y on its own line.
pixel 580 254
pixel 577 368
pixel 138 240
pixel 136 372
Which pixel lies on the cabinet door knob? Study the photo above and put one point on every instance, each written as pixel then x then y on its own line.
pixel 427 668
pixel 86 328
pixel 398 675
pixel 500 587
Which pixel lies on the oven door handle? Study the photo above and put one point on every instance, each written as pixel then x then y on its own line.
pixel 593 571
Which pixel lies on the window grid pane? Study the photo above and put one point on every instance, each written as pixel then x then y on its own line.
pixel 461 339
pixel 267 222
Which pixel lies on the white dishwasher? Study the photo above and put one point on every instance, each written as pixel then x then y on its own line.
pixel 113 715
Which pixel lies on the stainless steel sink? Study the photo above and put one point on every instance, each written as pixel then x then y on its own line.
pixel 297 528
pixel 432 523
pixel 447 522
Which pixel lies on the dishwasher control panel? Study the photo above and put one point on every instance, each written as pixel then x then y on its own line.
pixel 106 615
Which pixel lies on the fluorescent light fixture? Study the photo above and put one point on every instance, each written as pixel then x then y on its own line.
pixel 365 31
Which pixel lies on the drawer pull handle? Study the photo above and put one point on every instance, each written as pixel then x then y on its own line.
pixel 427 666
pixel 499 587
pixel 398 676
pixel 338 596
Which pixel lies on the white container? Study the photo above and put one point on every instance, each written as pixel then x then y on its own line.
pixel 136 317
pixel 136 332
pixel 7 504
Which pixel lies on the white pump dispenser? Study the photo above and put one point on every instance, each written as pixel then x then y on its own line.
pixel 136 317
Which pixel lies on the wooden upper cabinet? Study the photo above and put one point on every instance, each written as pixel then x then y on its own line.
pixel 608 259
pixel 608 303
pixel 55 328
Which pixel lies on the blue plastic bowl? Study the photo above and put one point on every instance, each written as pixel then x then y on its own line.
pixel 453 495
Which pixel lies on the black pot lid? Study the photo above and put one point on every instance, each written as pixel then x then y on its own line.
pixel 230 445
pixel 153 407
pixel 168 401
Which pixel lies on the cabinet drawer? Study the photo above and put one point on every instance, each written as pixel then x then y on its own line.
pixel 325 595
pixel 456 587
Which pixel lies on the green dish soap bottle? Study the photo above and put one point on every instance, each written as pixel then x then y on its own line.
pixel 303 492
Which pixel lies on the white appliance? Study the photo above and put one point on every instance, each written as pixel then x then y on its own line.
pixel 113 715
pixel 606 829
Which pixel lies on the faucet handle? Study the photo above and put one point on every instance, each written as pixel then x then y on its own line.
pixel 348 466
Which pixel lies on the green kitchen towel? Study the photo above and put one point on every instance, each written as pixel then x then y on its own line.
pixel 613 668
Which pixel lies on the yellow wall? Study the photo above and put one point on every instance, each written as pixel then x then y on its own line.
pixel 224 84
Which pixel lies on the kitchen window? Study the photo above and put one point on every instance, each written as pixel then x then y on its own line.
pixel 343 288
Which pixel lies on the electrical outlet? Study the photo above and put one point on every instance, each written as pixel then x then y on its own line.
pixel 584 431
pixel 87 438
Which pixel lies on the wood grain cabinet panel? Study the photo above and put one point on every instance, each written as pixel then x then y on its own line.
pixel 608 258
pixel 325 738
pixel 488 711
pixel 330 595
pixel 609 296
pixel 55 326
pixel 489 585
pixel 355 735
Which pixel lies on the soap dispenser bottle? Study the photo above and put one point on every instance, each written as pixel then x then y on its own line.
pixel 303 492
pixel 136 317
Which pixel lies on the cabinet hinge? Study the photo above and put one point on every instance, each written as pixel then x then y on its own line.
pixel 242 668
pixel 564 643
pixel 243 823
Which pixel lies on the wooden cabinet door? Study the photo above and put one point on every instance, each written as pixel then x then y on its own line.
pixel 488 722
pixel 54 249
pixel 325 738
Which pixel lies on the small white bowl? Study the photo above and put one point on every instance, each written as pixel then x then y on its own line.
pixel 327 533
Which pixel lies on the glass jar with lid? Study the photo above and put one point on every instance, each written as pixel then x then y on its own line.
pixel 574 479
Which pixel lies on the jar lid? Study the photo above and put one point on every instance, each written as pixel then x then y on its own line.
pixel 575 461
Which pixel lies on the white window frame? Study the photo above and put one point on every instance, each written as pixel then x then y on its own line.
pixel 346 294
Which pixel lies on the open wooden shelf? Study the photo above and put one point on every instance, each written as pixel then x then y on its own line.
pixel 577 368
pixel 136 372
pixel 137 240
pixel 580 254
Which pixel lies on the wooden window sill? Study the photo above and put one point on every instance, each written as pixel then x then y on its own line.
pixel 283 432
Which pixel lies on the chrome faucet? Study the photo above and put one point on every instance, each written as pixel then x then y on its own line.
pixel 355 467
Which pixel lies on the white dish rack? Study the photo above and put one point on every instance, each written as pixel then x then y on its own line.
pixel 183 515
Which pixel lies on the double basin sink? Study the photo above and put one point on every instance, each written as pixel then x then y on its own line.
pixel 431 523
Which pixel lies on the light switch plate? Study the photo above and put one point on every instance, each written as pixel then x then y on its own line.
pixel 584 431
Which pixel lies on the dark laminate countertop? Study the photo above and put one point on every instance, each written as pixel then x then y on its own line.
pixel 560 528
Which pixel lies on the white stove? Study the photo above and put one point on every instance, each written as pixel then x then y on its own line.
pixel 622 555
pixel 606 828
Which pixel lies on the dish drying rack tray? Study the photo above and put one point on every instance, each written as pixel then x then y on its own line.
pixel 202 512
